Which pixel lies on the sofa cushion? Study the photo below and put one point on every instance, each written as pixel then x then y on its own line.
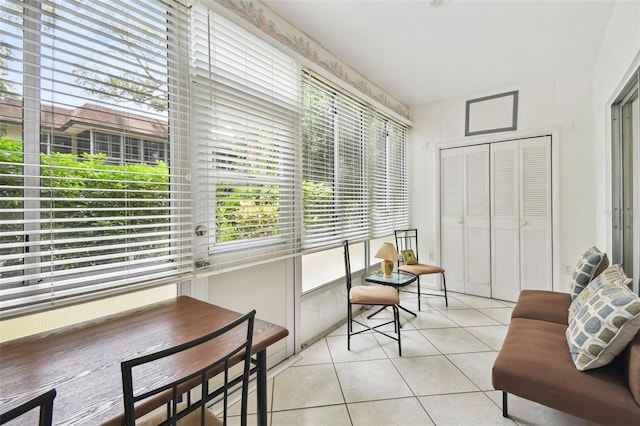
pixel 591 264
pixel 603 326
pixel 542 305
pixel 534 363
pixel 633 367
pixel 614 274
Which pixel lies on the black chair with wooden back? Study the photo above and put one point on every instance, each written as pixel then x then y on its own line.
pixel 43 401
pixel 185 379
pixel 376 295
pixel 407 245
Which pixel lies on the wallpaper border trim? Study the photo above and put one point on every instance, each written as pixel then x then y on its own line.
pixel 288 35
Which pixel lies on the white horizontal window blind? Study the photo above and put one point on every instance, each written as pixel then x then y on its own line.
pixel 354 169
pixel 388 170
pixel 94 156
pixel 246 108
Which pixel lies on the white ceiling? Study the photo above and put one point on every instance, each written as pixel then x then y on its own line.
pixel 419 53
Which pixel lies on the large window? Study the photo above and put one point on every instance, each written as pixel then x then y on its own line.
pixel 354 176
pixel 77 221
pixel 284 162
pixel 116 116
pixel 246 98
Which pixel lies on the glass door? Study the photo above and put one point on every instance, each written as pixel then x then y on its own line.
pixel 626 180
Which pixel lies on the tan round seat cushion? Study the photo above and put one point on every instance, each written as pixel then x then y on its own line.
pixel 421 269
pixel 374 295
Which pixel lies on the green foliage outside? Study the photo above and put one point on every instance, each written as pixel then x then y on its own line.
pixel 78 194
pixel 10 198
pixel 317 202
pixel 244 213
pixel 94 200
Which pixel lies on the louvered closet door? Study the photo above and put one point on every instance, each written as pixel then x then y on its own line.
pixel 505 220
pixel 465 219
pixel 535 214
pixel 452 217
pixel 477 222
pixel 520 217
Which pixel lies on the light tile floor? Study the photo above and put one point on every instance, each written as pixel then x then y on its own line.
pixel 443 377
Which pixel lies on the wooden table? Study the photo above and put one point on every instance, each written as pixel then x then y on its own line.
pixel 83 364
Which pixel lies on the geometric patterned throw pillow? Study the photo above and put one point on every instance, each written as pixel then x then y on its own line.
pixel 603 327
pixel 590 265
pixel 614 274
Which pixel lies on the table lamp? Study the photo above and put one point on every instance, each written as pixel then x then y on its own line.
pixel 389 254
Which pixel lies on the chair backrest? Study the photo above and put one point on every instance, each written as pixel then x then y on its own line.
pixel 192 375
pixel 406 239
pixel 347 264
pixel 43 401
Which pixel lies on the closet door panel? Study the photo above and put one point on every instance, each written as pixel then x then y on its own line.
pixel 505 258
pixel 452 246
pixel 535 214
pixel 505 221
pixel 535 271
pixel 477 222
pixel 478 262
pixel 452 217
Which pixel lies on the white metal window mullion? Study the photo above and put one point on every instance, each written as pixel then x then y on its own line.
pixel 31 137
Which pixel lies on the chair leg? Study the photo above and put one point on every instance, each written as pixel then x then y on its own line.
pixel 444 285
pixel 349 326
pixel 396 318
pixel 419 296
pixel 505 411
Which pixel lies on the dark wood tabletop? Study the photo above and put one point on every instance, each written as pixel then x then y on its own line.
pixel 83 364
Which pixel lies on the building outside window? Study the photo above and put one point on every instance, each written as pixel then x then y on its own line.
pixel 50 143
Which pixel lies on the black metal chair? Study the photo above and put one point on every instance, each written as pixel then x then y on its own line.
pixel 376 295
pixel 407 245
pixel 43 401
pixel 189 377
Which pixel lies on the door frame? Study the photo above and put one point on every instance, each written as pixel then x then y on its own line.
pixel 631 90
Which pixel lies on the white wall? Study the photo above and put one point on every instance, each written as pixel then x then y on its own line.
pixel 84 313
pixel 322 310
pixel 264 288
pixel 618 57
pixel 562 107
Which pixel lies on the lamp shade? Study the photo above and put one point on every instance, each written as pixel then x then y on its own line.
pixel 388 252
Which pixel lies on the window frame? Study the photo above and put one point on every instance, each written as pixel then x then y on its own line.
pixel 44 283
pixel 246 110
pixel 366 162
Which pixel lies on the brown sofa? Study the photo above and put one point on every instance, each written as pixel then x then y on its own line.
pixel 534 363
